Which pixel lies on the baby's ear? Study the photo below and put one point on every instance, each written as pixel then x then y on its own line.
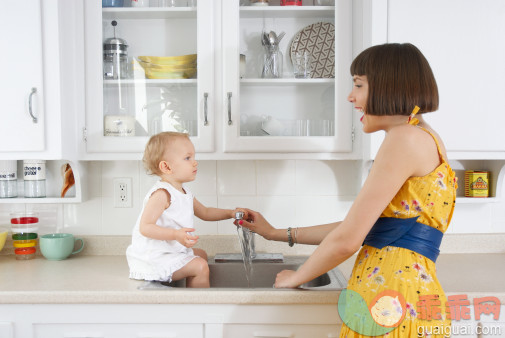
pixel 164 167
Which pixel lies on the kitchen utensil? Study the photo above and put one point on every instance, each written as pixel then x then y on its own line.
pixel 115 57
pixel 318 40
pixel 56 247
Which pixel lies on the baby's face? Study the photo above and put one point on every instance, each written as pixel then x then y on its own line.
pixel 180 157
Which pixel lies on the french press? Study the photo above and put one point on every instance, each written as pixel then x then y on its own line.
pixel 115 57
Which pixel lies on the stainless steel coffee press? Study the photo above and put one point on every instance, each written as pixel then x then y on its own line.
pixel 115 57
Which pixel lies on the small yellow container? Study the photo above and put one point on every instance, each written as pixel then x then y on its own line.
pixel 476 183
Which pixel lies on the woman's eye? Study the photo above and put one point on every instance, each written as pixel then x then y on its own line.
pixel 358 86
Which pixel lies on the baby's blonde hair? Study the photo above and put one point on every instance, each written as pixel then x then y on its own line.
pixel 155 150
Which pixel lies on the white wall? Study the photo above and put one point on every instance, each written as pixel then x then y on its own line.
pixel 287 192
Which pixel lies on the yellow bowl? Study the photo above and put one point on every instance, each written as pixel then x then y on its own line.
pixel 3 237
pixel 169 68
pixel 176 74
pixel 169 60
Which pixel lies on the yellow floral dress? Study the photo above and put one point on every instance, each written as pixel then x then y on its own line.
pixel 431 198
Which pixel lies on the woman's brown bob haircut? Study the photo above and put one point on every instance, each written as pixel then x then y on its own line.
pixel 155 150
pixel 399 78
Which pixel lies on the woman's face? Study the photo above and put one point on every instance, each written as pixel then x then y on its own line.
pixel 359 97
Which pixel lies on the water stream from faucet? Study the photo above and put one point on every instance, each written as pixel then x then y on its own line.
pixel 246 238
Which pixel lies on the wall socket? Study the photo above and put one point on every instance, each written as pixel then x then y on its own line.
pixel 123 192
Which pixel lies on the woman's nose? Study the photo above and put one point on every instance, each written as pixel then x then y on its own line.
pixel 350 98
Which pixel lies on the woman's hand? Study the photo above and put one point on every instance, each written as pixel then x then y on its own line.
pixel 284 279
pixel 185 237
pixel 256 223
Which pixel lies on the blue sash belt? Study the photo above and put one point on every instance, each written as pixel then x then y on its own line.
pixel 405 233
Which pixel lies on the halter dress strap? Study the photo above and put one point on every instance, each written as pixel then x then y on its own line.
pixel 414 122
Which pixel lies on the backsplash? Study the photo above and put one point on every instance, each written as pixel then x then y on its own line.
pixel 287 192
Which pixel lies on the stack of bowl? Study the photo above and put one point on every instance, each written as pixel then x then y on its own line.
pixel 24 228
pixel 169 67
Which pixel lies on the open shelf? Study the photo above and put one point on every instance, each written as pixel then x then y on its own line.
pixel 149 13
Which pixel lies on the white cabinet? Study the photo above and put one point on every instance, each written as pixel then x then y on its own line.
pixel 314 113
pixel 130 330
pixel 152 102
pixel 38 80
pixel 222 111
pixel 281 331
pixel 22 88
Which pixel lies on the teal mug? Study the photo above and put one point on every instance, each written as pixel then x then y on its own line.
pixel 56 247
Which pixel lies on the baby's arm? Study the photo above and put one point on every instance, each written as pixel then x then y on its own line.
pixel 158 202
pixel 214 214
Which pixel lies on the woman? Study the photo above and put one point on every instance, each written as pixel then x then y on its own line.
pixel 404 206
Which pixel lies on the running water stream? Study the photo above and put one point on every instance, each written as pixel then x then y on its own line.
pixel 246 238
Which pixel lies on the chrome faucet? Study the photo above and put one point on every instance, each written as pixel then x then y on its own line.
pixel 248 234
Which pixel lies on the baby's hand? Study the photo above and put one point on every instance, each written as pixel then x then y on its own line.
pixel 185 237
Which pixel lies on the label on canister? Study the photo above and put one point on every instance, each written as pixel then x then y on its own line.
pixel 34 170
pixel 476 183
pixel 8 170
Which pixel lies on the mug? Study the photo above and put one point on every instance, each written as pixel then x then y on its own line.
pixel 56 247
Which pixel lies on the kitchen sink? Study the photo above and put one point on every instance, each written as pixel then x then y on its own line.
pixel 232 275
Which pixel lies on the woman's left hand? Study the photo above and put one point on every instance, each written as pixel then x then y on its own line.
pixel 284 279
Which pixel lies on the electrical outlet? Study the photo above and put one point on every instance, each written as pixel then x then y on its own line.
pixel 123 192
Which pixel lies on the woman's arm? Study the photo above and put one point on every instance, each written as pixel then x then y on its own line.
pixel 306 235
pixel 213 214
pixel 399 157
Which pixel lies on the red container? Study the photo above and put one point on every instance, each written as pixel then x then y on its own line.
pixel 291 2
pixel 24 220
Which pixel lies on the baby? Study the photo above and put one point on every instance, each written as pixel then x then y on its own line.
pixel 162 237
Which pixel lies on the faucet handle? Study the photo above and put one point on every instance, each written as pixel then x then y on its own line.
pixel 239 215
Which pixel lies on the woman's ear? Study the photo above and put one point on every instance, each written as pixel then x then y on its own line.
pixel 164 167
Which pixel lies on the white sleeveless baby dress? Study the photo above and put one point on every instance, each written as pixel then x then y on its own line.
pixel 157 260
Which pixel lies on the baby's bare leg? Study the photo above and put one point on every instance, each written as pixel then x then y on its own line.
pixel 196 273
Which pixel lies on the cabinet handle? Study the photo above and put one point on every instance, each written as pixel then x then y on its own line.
pixel 229 109
pixel 205 97
pixel 34 91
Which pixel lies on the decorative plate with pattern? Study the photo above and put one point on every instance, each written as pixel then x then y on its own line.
pixel 318 40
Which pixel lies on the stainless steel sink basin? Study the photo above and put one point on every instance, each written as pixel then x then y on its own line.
pixel 232 275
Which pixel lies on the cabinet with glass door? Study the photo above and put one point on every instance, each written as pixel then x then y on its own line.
pixel 148 69
pixel 271 105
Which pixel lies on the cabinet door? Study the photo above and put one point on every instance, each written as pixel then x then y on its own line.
pixel 279 331
pixel 22 82
pixel 460 40
pixel 97 330
pixel 162 83
pixel 285 114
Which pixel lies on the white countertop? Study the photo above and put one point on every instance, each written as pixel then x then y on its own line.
pixel 103 279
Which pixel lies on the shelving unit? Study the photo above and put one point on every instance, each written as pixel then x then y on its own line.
pixel 292 12
pixel 149 13
pixel 52 169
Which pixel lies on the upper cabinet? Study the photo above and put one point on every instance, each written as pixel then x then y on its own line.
pixel 205 68
pixel 463 42
pixel 38 114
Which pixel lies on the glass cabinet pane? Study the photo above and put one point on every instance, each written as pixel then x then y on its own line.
pixel 149 68
pixel 276 97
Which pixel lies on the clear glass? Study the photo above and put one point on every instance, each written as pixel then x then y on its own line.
pixel 155 88
pixel 272 63
pixel 35 188
pixel 8 188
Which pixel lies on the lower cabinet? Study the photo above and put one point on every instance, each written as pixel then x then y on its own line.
pixel 169 320
pixel 280 331
pixel 134 330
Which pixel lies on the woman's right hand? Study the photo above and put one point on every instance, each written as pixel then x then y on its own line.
pixel 257 223
pixel 185 237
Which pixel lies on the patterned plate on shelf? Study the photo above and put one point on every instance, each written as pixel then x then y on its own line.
pixel 318 40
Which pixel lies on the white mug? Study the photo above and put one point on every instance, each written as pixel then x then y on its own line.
pixel 272 126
